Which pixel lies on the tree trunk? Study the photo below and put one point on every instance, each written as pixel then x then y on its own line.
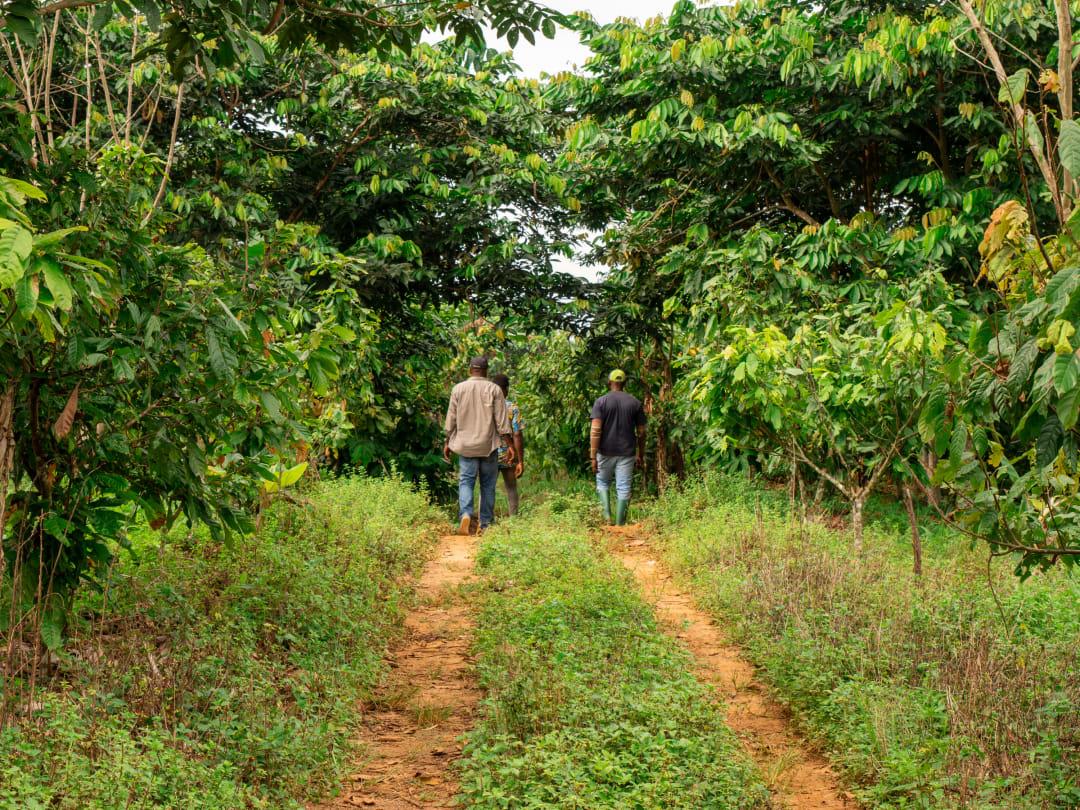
pixel 928 459
pixel 916 537
pixel 7 462
pixel 801 483
pixel 793 483
pixel 857 504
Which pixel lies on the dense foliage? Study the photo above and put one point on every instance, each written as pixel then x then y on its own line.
pixel 795 199
pixel 218 261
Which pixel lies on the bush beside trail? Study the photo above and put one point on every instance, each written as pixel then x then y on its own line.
pixel 916 687
pixel 224 677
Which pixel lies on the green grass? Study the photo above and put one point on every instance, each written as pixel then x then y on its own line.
pixel 919 690
pixel 588 704
pixel 213 677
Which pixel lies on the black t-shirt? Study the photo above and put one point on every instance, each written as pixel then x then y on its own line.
pixel 621 414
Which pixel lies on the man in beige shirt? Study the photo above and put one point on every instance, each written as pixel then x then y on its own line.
pixel 477 425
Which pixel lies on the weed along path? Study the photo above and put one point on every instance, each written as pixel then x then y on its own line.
pixel 798 778
pixel 411 732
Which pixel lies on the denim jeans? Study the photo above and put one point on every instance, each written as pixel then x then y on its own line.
pixel 622 468
pixel 487 470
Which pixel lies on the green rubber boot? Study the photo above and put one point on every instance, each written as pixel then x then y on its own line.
pixel 621 508
pixel 605 508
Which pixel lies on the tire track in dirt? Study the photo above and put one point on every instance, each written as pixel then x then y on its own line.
pixel 798 778
pixel 411 730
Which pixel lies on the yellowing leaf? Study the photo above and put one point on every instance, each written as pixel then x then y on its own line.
pixel 285 478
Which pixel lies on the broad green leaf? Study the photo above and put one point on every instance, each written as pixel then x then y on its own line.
pixel 1014 88
pixel 219 359
pixel 57 283
pixel 272 406
pixel 47 240
pixel 1066 372
pixel 16 242
pixel 285 478
pixel 23 190
pixel 1068 406
pixel 1069 146
pixel 1061 286
pixel 11 270
pixel 52 629
pixel 26 295
pixel 1048 442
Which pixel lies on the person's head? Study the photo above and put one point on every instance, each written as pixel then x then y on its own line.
pixel 617 380
pixel 478 366
pixel 503 382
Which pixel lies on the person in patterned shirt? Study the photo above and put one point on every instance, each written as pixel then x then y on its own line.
pixel 511 469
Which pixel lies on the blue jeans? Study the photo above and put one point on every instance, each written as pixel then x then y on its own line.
pixel 622 468
pixel 487 470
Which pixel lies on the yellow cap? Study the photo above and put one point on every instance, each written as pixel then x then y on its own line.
pixel 618 375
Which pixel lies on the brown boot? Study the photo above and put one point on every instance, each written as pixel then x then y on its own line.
pixel 465 525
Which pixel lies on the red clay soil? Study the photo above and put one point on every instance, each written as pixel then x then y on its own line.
pixel 798 778
pixel 411 731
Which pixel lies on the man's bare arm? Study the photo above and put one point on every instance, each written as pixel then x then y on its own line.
pixel 641 445
pixel 450 426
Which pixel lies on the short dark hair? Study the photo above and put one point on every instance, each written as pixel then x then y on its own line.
pixel 502 381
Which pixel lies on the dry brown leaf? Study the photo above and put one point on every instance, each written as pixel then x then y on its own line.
pixel 62 426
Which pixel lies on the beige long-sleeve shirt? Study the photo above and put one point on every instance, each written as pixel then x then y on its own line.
pixel 477 418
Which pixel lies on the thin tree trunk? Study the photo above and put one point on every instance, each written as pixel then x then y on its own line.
pixel 857 505
pixel 7 463
pixel 916 537
pixel 1033 139
pixel 928 459
pixel 793 482
pixel 169 157
pixel 1065 88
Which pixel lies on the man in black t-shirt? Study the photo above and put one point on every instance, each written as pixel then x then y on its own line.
pixel 616 443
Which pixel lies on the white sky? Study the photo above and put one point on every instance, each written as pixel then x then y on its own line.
pixel 564 52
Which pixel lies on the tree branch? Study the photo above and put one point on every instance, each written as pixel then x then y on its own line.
pixel 172 152
pixel 1017 109
pixel 1065 87
pixel 789 203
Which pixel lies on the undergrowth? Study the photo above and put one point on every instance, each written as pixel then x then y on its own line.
pixel 588 704
pixel 206 676
pixel 920 691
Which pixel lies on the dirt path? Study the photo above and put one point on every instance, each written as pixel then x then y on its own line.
pixel 798 778
pixel 411 731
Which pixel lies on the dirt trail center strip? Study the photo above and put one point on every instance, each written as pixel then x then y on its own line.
pixel 798 778
pixel 411 734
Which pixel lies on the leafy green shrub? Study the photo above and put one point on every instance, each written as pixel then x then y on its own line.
pixel 916 687
pixel 211 676
pixel 589 705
